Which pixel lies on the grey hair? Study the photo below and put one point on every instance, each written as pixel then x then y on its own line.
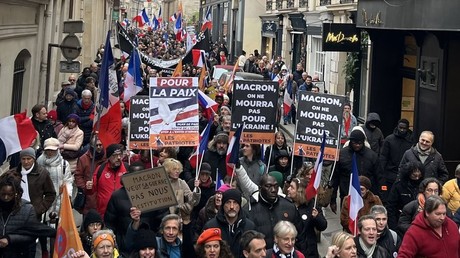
pixel 86 93
pixel 378 209
pixel 284 227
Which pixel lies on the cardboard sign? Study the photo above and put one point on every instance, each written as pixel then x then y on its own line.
pixel 173 111
pixel 149 189
pixel 139 120
pixel 318 113
pixel 255 104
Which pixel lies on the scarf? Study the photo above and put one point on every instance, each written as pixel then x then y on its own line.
pixel 422 154
pixel 421 202
pixel 278 254
pixel 25 182
pixel 86 106
pixel 368 251
pixel 206 184
pixel 347 119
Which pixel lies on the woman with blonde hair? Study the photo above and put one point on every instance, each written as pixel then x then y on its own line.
pixel 181 190
pixel 343 246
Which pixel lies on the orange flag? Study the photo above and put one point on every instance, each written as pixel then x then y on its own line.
pixel 178 71
pixel 229 82
pixel 67 238
pixel 201 85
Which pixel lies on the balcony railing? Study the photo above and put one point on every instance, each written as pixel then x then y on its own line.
pixel 303 3
pixel 346 1
pixel 324 2
pixel 268 5
pixel 290 4
pixel 279 4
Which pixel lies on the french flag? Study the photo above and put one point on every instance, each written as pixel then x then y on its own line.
pixel 209 106
pixel 287 102
pixel 17 133
pixel 313 184
pixel 207 20
pixel 133 80
pixel 355 200
pixel 202 147
pixel 142 18
pixel 233 151
pixel 173 18
pixel 155 23
pixel 160 17
pixel 125 23
pixel 198 58
pixel 178 27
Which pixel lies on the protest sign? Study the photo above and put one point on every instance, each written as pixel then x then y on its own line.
pixel 318 113
pixel 139 120
pixel 173 111
pixel 255 104
pixel 149 189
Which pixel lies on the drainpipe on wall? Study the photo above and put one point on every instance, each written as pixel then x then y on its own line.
pixel 47 25
pixel 239 29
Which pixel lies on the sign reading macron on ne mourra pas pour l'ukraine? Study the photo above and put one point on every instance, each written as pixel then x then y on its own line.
pixel 318 113
pixel 255 104
pixel 139 123
pixel 149 189
pixel 173 111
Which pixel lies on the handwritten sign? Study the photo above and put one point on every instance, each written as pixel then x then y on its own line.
pixel 317 114
pixel 341 37
pixel 254 105
pixel 149 189
pixel 139 120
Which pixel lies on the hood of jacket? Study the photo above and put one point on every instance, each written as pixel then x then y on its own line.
pixel 373 117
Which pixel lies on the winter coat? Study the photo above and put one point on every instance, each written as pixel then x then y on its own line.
pixel 275 151
pixel 307 243
pixel 392 152
pixel 451 194
pixel 286 171
pixel 207 213
pixel 254 168
pixel 403 191
pixel 369 201
pixel 206 193
pixel 421 240
pixel 186 199
pixel 65 108
pixel 83 174
pixel 432 167
pixel 45 129
pixel 387 241
pixel 231 233
pixel 379 251
pixel 265 215
pixel 72 139
pixel 41 189
pixel 108 182
pixel 59 170
pixel 374 135
pixel 368 165
pixel 408 214
pixel 216 161
pixel 86 122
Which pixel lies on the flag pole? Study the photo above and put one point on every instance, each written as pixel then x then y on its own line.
pixel 269 158
pixel 293 145
pixel 336 153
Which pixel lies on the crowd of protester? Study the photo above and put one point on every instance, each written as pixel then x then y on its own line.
pixel 263 210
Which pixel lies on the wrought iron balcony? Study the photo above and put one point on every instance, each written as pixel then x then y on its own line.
pixel 290 4
pixel 279 4
pixel 324 2
pixel 303 3
pixel 346 1
pixel 268 5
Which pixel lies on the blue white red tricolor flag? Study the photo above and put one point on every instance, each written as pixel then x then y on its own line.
pixel 133 80
pixel 208 105
pixel 178 27
pixel 355 201
pixel 233 151
pixel 207 19
pixel 142 18
pixel 17 133
pixel 313 184
pixel 199 152
pixel 160 17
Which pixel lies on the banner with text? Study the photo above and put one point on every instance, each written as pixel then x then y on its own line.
pixel 317 113
pixel 139 122
pixel 149 189
pixel 173 111
pixel 255 104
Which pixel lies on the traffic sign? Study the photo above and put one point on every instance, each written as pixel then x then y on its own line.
pixel 69 67
pixel 70 47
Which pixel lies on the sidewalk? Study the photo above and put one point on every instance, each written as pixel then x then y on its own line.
pixel 333 220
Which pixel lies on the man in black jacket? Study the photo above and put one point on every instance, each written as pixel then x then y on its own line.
pixel 231 220
pixel 215 155
pixel 366 241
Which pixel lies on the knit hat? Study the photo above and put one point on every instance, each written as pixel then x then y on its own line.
pixel 52 115
pixel 227 108
pixel 51 144
pixel 205 168
pixel 112 148
pixel 70 91
pixel 28 152
pixel 223 188
pixel 74 117
pixel 221 137
pixel 231 194
pixel 278 176
pixel 364 181
pixel 92 217
pixel 208 235
pixel 145 238
pixel 357 135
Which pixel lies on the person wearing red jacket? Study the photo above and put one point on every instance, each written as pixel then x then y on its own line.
pixel 109 180
pixel 432 234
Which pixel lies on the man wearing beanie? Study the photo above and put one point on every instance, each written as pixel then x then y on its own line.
pixel 67 106
pixel 231 219
pixel 367 162
pixel 107 177
pixel 216 155
pixel 369 200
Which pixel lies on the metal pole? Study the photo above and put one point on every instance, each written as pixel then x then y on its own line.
pixel 48 71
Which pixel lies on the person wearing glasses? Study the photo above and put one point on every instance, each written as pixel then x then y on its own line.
pixel 91 224
pixel 428 187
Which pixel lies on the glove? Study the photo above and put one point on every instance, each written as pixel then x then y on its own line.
pixel 333 207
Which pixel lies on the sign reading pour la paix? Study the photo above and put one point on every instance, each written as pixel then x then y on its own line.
pixel 317 114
